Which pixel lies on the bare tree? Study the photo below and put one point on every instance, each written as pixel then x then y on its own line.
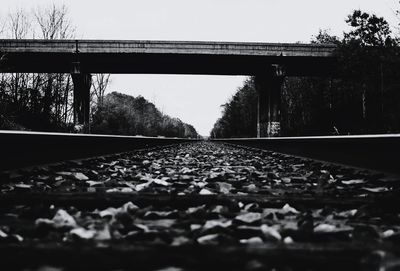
pixel 44 100
pixel 19 24
pixel 54 22
pixel 99 85
pixel 2 27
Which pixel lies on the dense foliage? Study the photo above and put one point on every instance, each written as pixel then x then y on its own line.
pixel 239 117
pixel 126 115
pixel 361 97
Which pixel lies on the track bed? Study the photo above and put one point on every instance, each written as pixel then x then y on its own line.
pixel 199 206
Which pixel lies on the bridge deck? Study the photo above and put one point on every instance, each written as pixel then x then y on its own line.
pixel 170 47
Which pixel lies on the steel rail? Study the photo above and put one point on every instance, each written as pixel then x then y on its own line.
pixel 20 148
pixel 374 152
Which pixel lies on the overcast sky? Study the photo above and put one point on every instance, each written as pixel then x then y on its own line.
pixel 197 99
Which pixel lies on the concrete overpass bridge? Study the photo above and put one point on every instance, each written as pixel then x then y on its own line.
pixel 268 62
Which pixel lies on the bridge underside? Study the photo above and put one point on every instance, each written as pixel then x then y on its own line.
pixel 164 64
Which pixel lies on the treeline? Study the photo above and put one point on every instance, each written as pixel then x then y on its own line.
pixel 44 102
pixel 126 115
pixel 363 96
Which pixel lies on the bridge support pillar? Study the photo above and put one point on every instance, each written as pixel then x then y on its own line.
pixel 269 85
pixel 82 83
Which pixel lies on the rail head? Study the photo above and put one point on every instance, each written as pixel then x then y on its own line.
pixel 373 152
pixel 21 148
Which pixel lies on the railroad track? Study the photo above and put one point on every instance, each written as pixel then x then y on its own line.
pixel 195 206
